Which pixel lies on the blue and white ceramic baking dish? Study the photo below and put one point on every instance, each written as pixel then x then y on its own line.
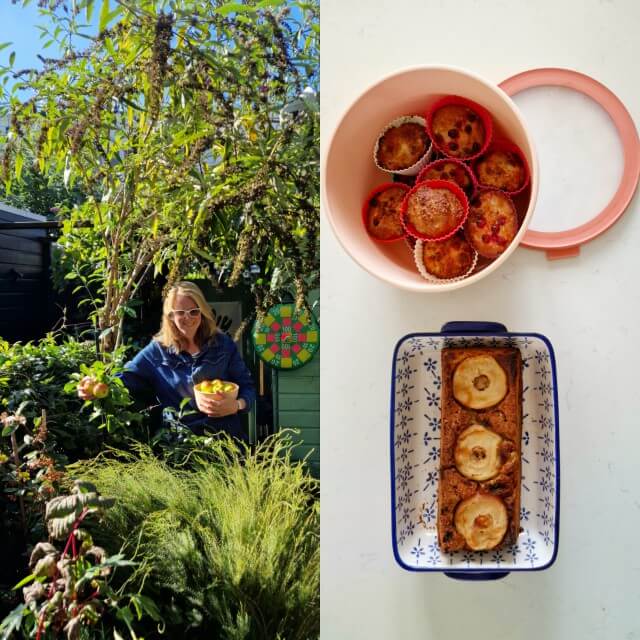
pixel 415 454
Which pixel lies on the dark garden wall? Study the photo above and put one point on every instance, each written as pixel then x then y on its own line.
pixel 25 285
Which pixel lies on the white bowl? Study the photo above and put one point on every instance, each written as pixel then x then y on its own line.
pixel 349 173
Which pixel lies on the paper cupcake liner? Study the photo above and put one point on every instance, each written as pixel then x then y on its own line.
pixel 414 168
pixel 481 111
pixel 435 184
pixel 435 163
pixel 504 145
pixel 417 257
pixel 515 210
pixel 365 208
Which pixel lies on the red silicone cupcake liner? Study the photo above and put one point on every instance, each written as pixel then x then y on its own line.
pixel 365 208
pixel 435 184
pixel 504 145
pixel 474 184
pixel 481 111
pixel 515 211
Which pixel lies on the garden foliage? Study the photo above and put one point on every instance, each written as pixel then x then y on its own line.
pixel 45 426
pixel 69 592
pixel 192 130
pixel 229 549
pixel 42 376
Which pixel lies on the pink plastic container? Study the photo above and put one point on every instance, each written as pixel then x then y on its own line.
pixel 348 174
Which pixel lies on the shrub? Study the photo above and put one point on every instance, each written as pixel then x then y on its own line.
pixel 69 592
pixel 34 376
pixel 43 428
pixel 230 550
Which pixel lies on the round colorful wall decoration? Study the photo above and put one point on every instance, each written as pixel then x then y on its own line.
pixel 285 339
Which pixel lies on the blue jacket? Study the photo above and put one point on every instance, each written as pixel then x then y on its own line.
pixel 170 377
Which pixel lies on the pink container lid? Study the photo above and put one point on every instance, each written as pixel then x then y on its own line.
pixel 565 244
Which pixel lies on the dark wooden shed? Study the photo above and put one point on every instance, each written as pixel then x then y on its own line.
pixel 26 300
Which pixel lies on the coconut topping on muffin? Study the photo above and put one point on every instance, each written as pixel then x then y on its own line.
pixel 433 212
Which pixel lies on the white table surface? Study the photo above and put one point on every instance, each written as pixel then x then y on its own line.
pixel 589 307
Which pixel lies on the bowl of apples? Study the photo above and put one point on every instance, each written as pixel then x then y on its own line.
pixel 217 389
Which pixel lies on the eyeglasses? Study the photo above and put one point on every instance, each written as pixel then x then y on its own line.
pixel 180 313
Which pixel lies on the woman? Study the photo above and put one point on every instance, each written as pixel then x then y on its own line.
pixel 188 349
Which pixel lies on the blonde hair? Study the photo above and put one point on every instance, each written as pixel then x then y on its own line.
pixel 168 335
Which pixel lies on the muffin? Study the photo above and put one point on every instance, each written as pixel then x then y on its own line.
pixel 502 167
pixel 381 212
pixel 459 128
pixel 404 146
pixel 446 260
pixel 449 169
pixel 434 210
pixel 492 223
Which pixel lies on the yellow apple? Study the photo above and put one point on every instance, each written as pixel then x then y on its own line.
pixel 100 390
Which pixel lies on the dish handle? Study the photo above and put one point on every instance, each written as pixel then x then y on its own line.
pixel 476 575
pixel 458 327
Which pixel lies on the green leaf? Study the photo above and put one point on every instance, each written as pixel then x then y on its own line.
pixel 126 616
pixel 22 406
pixel 18 167
pixel 24 581
pixel 114 14
pixel 226 9
pixel 104 15
pixel 268 3
pixel 10 428
pixel 4 45
pixel 108 43
pixel 88 10
pixel 204 254
pixel 105 332
pixel 116 561
pixel 144 604
pixel 131 104
pixel 12 58
pixel 13 621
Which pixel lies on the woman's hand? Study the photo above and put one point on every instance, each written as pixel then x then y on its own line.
pixel 217 408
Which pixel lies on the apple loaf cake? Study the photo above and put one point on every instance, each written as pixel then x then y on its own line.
pixel 481 427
